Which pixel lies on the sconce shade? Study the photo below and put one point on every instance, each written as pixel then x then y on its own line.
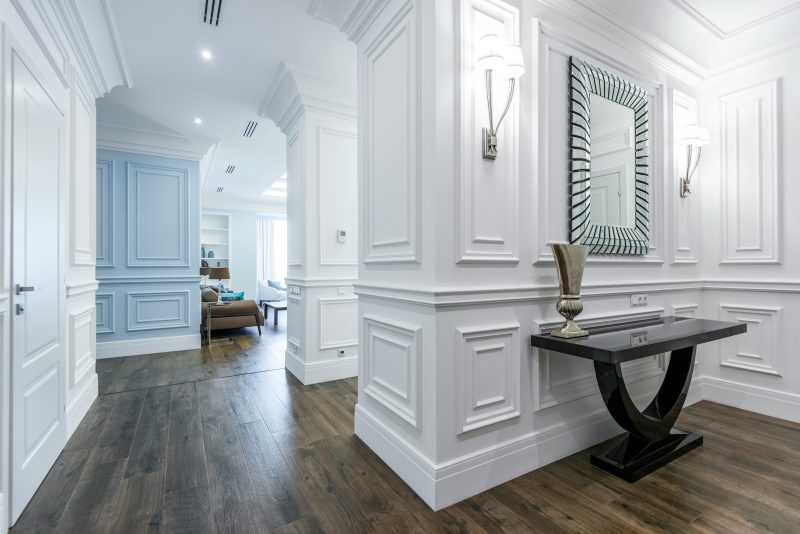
pixel 220 273
pixel 694 135
pixel 515 64
pixel 489 54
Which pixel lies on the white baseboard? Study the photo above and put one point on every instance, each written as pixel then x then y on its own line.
pixel 3 516
pixel 136 347
pixel 79 406
pixel 753 399
pixel 316 372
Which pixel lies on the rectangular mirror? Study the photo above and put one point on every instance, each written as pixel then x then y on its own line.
pixel 609 173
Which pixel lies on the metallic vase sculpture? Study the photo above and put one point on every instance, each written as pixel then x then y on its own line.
pixel 570 260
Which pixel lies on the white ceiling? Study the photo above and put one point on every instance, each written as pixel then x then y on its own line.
pixel 173 84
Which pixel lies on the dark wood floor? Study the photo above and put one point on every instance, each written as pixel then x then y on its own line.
pixel 260 452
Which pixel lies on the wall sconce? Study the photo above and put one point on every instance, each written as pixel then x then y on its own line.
pixel 692 137
pixel 493 56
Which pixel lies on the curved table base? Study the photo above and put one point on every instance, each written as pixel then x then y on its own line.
pixel 651 441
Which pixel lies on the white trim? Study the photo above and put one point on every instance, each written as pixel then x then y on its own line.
pixel 441 485
pixel 3 515
pixel 722 34
pixel 325 371
pixel 79 406
pixel 756 399
pixel 151 143
pixel 164 279
pixel 136 347
pixel 81 288
pixel 119 51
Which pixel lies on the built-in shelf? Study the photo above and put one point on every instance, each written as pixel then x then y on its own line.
pixel 215 236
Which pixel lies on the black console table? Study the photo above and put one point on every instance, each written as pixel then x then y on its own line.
pixel 650 442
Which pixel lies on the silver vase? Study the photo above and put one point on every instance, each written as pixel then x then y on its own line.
pixel 570 260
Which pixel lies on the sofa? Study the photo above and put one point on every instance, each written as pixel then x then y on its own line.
pixel 268 292
pixel 216 315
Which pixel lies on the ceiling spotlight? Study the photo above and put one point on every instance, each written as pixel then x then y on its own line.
pixel 198 121
pixel 206 54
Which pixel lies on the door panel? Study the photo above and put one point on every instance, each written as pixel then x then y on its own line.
pixel 38 428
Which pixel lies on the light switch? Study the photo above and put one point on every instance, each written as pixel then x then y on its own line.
pixel 341 235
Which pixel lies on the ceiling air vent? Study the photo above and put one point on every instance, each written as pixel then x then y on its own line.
pixel 229 169
pixel 212 11
pixel 219 189
pixel 250 129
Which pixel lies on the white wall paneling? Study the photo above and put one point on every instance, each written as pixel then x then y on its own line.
pixel 757 350
pixel 338 191
pixel 391 367
pixel 336 326
pixel 104 311
pixel 154 310
pixel 391 161
pixel 295 209
pixel 489 377
pixel 82 344
pixel 751 187
pixel 104 213
pixel 488 190
pixel 685 226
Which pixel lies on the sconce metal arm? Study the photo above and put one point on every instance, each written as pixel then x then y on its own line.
pixel 490 134
pixel 690 170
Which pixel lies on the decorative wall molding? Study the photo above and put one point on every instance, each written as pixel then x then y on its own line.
pixel 81 288
pixel 757 350
pixel 105 213
pixel 750 168
pixel 137 347
pixel 315 372
pixel 488 190
pixel 151 143
pixel 139 279
pixel 338 322
pixel 683 310
pixel 119 51
pixel 392 368
pixel 296 167
pixel 579 379
pixel 140 318
pixel 327 140
pixel 697 15
pixel 389 121
pixel 488 375
pixel 104 311
pixel 362 17
pixel 684 214
pixel 82 343
pixel 139 214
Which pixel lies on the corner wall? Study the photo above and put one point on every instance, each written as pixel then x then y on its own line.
pixel 148 254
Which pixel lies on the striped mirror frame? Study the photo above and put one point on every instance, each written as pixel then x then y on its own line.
pixel 628 240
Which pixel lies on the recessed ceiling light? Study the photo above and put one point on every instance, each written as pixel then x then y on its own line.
pixel 198 120
pixel 206 54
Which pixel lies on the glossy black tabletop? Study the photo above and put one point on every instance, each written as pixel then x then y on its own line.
pixel 631 341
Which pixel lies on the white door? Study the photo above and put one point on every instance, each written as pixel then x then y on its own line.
pixel 38 428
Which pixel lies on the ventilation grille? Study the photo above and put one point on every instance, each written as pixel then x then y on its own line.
pixel 212 12
pixel 219 189
pixel 229 169
pixel 250 129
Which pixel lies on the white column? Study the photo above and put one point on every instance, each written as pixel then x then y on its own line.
pixel 319 120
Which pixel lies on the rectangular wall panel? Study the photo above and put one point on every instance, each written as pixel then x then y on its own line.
pixel 338 173
pixel 391 159
pixel 391 367
pixel 685 234
pixel 105 213
pixel 757 350
pixel 489 190
pixel 155 310
pixel 338 322
pixel 82 343
pixel 158 216
pixel 104 312
pixel 489 377
pixel 751 186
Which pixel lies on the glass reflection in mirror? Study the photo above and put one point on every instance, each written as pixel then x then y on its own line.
pixel 609 171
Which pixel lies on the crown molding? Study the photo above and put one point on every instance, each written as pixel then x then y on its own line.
pixel 722 34
pixel 152 143
pixel 294 91
pixel 119 51
pixel 361 17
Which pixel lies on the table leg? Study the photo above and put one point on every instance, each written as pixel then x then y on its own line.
pixel 651 441
pixel 275 317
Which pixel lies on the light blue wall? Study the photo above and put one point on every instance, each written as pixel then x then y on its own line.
pixel 148 238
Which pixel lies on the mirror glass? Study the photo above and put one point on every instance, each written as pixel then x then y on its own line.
pixel 609 169
pixel 613 165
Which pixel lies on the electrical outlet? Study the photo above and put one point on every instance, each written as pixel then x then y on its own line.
pixel 341 353
pixel 638 299
pixel 638 338
pixel 341 290
pixel 295 290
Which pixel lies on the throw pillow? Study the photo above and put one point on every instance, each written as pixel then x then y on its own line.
pixel 209 295
pixel 274 283
pixel 231 296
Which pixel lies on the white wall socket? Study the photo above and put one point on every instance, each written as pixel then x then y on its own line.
pixel 638 299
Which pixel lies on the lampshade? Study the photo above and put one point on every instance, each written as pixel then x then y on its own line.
pixel 204 271
pixel 515 64
pixel 489 55
pixel 220 273
pixel 693 135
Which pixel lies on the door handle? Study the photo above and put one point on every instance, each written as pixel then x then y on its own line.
pixel 24 289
